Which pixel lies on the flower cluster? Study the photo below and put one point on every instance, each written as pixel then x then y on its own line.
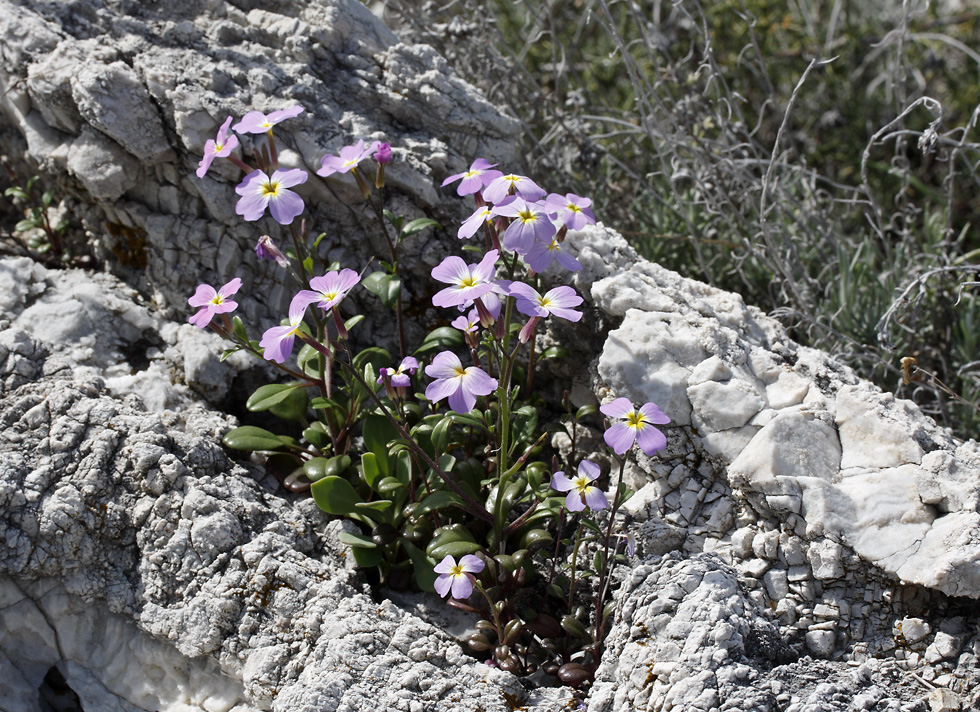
pixel 426 467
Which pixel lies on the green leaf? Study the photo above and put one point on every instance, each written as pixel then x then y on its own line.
pixel 584 411
pixel 379 433
pixel 445 337
pixel 25 225
pixel 418 225
pixel 396 220
pixel 353 321
pixel 387 287
pixel 238 327
pixel 389 484
pixel 267 396
pixel 439 499
pixel 318 240
pixel 553 352
pixel 423 574
pixel 317 435
pixel 449 539
pixel 378 505
pixel 440 436
pixel 525 422
pixel 370 470
pixel 589 524
pixel 374 355
pixel 227 353
pixel 454 549
pixel 473 419
pixel 47 198
pixel 308 264
pixel 248 437
pixel 15 192
pixel 320 467
pixel 293 407
pixel 366 558
pixel 573 626
pixel 357 540
pixel 335 495
pixel 536 539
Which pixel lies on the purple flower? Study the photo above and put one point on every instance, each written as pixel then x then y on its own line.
pixel 382 153
pixel 330 289
pixel 400 377
pixel 523 186
pixel 460 385
pixel 542 254
pixel 213 302
pixel 467 282
pixel 530 224
pixel 457 578
pixel 637 425
pixel 581 492
pixel 349 157
pixel 474 222
pixel 476 178
pixel 467 324
pixel 277 342
pixel 260 191
pixel 219 147
pixel 571 210
pixel 265 249
pixel 558 301
pixel 630 542
pixel 255 122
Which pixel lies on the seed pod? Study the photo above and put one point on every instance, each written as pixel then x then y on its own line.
pixel 478 642
pixel 383 534
pixel 574 674
pixel 550 668
pixel 511 664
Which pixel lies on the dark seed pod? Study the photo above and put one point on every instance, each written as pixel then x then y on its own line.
pixel 511 664
pixel 383 534
pixel 478 642
pixel 550 668
pixel 573 674
pixel 502 652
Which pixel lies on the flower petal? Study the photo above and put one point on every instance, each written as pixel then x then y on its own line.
pixel 619 408
pixel 650 439
pixel 619 437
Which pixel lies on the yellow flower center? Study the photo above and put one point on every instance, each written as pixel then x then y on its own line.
pixel 460 372
pixel 468 282
pixel 573 207
pixel 472 174
pixel 457 570
pixel 636 420
pixel 271 189
pixel 217 299
pixel 582 483
pixel 527 215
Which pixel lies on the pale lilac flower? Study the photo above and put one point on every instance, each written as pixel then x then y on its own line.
pixel 260 191
pixel 457 578
pixel 467 324
pixel 255 122
pixel 265 249
pixel 476 178
pixel 558 301
pixel 277 342
pixel 330 289
pixel 542 254
pixel 467 282
pixel 400 377
pixel 218 147
pixel 474 222
pixel 523 186
pixel 581 492
pixel 348 159
pixel 213 302
pixel 530 224
pixel 460 385
pixel 635 426
pixel 630 542
pixel 382 153
pixel 571 210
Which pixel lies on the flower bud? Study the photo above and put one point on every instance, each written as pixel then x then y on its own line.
pixel 265 249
